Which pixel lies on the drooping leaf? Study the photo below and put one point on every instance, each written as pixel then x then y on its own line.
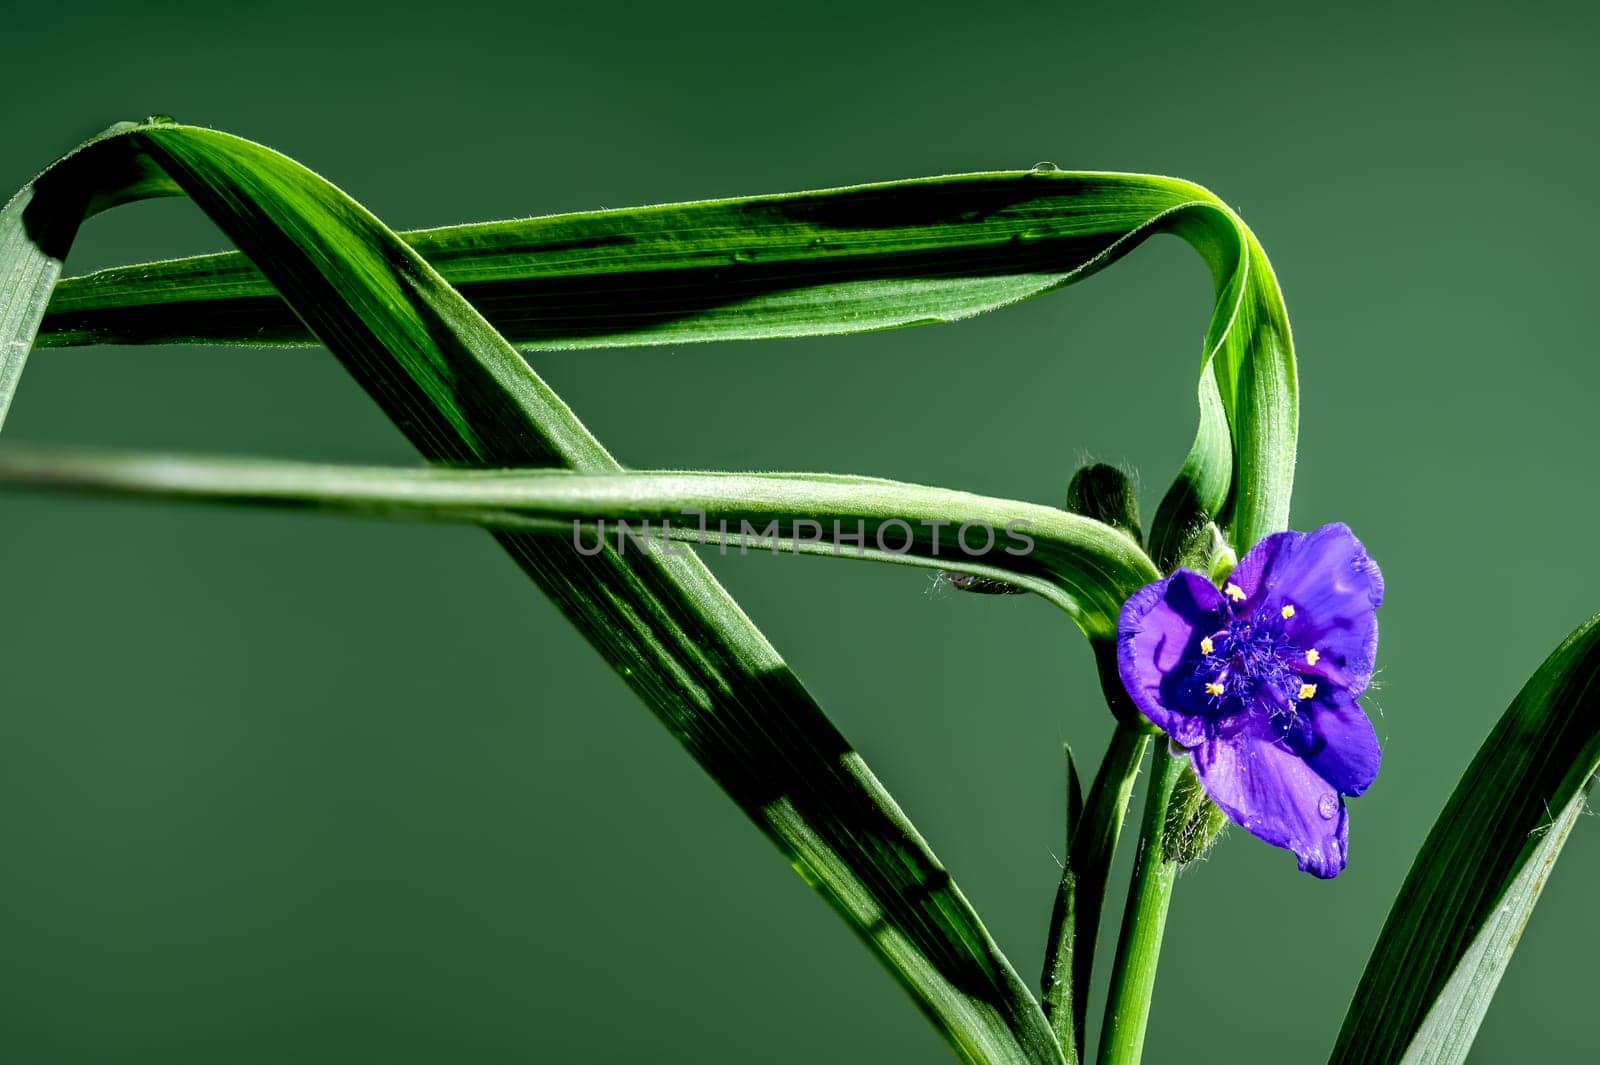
pixel 31 251
pixel 1473 886
pixel 812 263
pixel 1240 469
pixel 38 225
pixel 463 395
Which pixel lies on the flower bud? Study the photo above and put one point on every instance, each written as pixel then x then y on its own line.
pixel 1097 491
pixel 1223 558
pixel 1106 494
pixel 1193 820
pixel 1207 551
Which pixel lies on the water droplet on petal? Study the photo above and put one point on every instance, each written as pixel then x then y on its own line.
pixel 1328 805
pixel 1046 167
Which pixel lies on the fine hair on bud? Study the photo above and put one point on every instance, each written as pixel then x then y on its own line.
pixel 1193 822
pixel 1107 495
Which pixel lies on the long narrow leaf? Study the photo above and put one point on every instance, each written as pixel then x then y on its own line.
pixel 1474 884
pixel 1086 568
pixel 31 252
pixel 38 225
pixel 832 261
pixel 463 395
pixel 1075 918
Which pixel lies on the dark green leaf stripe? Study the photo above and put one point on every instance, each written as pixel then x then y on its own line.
pixel 833 261
pixel 811 263
pixel 1473 886
pixel 464 396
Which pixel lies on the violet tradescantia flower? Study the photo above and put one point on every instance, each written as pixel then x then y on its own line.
pixel 1259 682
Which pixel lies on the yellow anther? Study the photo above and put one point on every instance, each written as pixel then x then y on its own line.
pixel 1307 691
pixel 1233 591
pixel 1206 645
pixel 1287 611
pixel 1214 689
pixel 1312 656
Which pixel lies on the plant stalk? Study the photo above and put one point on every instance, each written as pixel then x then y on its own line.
pixel 1133 975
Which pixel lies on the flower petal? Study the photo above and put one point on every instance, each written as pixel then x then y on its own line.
pixel 1336 739
pixel 1334 587
pixel 1272 793
pixel 1158 647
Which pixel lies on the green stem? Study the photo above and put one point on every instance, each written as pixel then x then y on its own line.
pixel 1133 977
pixel 1074 924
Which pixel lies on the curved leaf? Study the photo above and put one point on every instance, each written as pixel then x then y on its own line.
pixel 1240 469
pixel 811 263
pixel 1081 565
pixel 38 225
pixel 1474 884
pixel 463 395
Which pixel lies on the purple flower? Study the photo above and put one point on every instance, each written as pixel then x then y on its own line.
pixel 1259 681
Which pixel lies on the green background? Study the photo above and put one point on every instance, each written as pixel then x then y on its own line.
pixel 276 788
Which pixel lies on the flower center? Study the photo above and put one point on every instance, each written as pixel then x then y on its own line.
pixel 1252 664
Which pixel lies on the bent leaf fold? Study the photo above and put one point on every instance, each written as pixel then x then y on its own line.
pixel 831 261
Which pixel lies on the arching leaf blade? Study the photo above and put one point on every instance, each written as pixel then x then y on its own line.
pixel 1239 471
pixel 1474 884
pixel 814 263
pixel 37 227
pixel 462 395
pixel 1085 567
pixel 811 263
